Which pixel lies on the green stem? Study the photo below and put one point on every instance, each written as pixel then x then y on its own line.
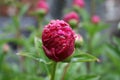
pixel 90 52
pixel 54 70
pixel 2 57
pixel 93 7
pixel 39 30
pixel 39 24
pixel 65 71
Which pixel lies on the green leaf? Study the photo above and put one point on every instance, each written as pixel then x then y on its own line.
pixel 92 29
pixel 89 27
pixel 16 22
pixel 23 10
pixel 84 58
pixel 40 55
pixel 116 41
pixel 113 49
pixel 81 56
pixel 88 77
pixel 84 14
pixel 113 55
pixel 102 26
pixel 30 55
pixel 42 61
pixel 38 46
pixel 38 43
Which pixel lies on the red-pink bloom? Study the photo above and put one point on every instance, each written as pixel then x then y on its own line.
pixel 79 3
pixel 58 40
pixel 95 19
pixel 71 16
pixel 42 5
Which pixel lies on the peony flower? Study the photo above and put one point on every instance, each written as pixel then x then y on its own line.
pixel 42 6
pixel 79 3
pixel 72 18
pixel 58 40
pixel 95 19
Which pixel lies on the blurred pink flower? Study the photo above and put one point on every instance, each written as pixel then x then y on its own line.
pixel 79 3
pixel 71 16
pixel 95 19
pixel 42 5
pixel 6 48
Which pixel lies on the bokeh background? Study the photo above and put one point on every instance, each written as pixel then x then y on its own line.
pixel 19 25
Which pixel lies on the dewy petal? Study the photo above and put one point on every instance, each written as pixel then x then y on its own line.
pixel 53 53
pixel 48 53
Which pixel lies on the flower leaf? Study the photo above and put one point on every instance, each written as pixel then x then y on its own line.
pixel 88 77
pixel 23 10
pixel 84 58
pixel 39 49
pixel 30 55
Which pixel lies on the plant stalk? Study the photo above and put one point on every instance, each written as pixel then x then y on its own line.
pixel 53 71
pixel 89 52
pixel 93 7
pixel 39 29
pixel 65 71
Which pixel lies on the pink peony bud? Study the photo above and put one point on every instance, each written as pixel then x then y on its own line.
pixel 42 6
pixel 58 40
pixel 79 3
pixel 6 48
pixel 78 40
pixel 43 0
pixel 95 19
pixel 72 18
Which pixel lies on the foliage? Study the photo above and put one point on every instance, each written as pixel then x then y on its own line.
pixel 97 59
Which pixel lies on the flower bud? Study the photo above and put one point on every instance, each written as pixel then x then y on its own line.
pixel 58 40
pixel 42 7
pixel 6 48
pixel 95 19
pixel 72 18
pixel 79 3
pixel 78 41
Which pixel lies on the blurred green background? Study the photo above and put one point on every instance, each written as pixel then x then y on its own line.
pixel 20 25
